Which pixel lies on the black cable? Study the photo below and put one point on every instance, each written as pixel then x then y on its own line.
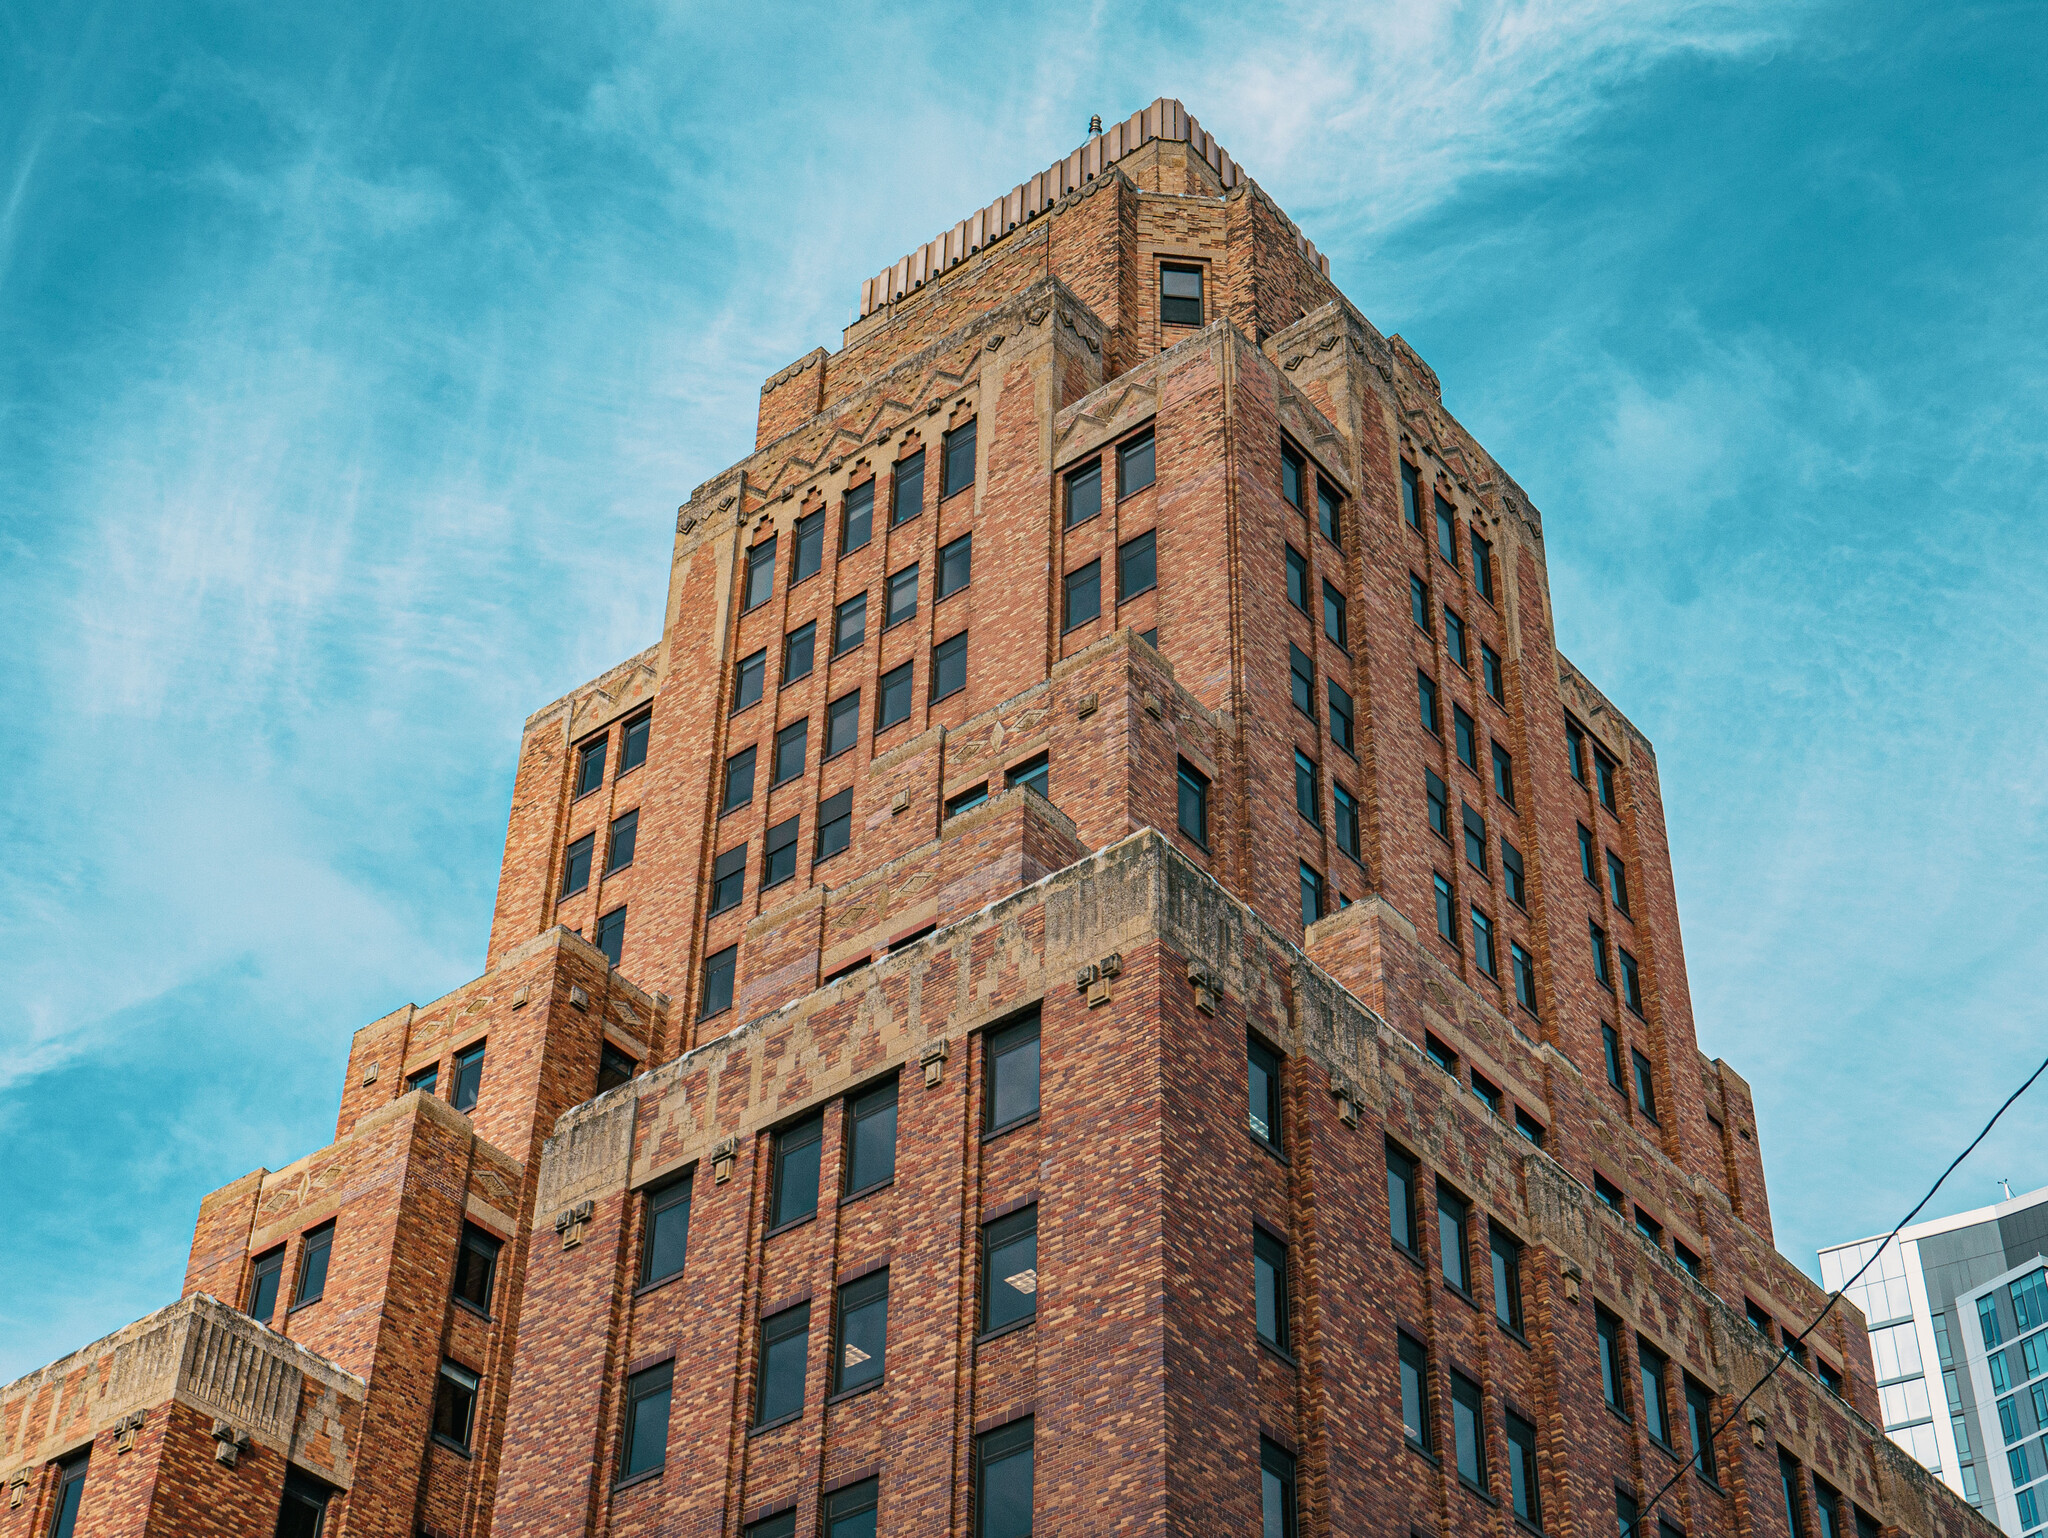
pixel 1834 1297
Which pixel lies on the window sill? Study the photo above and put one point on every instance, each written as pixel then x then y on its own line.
pixel 453 1446
pixel 817 860
pixel 303 1303
pixel 853 650
pixel 949 694
pixel 1621 1415
pixel 737 710
pixel 1460 1293
pixel 470 1308
pixel 1125 496
pixel 783 1228
pixel 1006 1329
pixel 867 1190
pixel 1271 1150
pixel 899 621
pixel 1478 1490
pixel 1413 1258
pixel 856 1391
pixel 777 1424
pixel 1422 1452
pixel 1528 1527
pixel 714 1014
pixel 1082 523
pixel 1279 1353
pixel 578 892
pixel 1707 1479
pixel 742 806
pixel 616 869
pixel 770 886
pixel 1125 598
pixel 658 1283
pixel 1009 1126
pixel 1512 1333
pixel 897 523
pixel 627 1482
pixel 1666 1449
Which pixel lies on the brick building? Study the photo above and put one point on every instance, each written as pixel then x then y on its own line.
pixel 1156 1002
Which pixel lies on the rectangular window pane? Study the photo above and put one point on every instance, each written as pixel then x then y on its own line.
pixel 729 879
pixel 1411 495
pixel 1503 774
pixel 1506 1255
pixel 1263 1084
pixel 895 697
pixel 1655 1419
pixel 1611 1383
pixel 850 1513
pixel 1425 697
pixel 634 753
pixel 792 748
pixel 1491 675
pixel 576 865
pixel 1137 567
pixel 1525 975
pixel 1415 1417
pixel 1083 595
pixel 1012 1089
pixel 1450 1239
pixel 785 1349
pixel 1401 1197
pixel 1277 1515
pixel 857 517
pixel 795 1190
pixel 1297 579
pixel 455 1404
pixel 1301 680
pixel 1468 1421
pixel 1305 788
pixel 1446 911
pixel 842 724
pixel 1454 638
pixel 1418 603
pixel 1313 906
pixel 760 573
pixel 1347 821
pixel 859 1357
pixel 779 855
pixel 1467 737
pixel 476 1268
pixel 264 1278
pixel 949 667
pixel 1194 803
pixel 872 1159
pixel 1699 1415
pixel 1482 566
pixel 1475 837
pixel 1329 512
pixel 1292 470
pixel 1446 532
pixel 643 1442
pixel 956 566
pixel 902 597
pixel 1009 1270
pixel 1084 493
pixel 748 679
pixel 313 1257
pixel 1134 461
pixel 611 939
pixel 668 1231
pixel 1646 1085
pixel 1180 296
pixel 799 652
pixel 718 977
pixel 1335 623
pixel 625 831
pixel 1482 943
pixel 810 547
pixel 835 823
pixel 1269 1288
pixel 1002 1482
pixel 739 780
pixel 1511 874
pixel 959 459
pixel 1524 1488
pixel 1439 805
pixel 849 624
pixel 1340 718
pixel 907 491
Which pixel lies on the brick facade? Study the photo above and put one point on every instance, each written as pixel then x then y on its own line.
pixel 1559 1104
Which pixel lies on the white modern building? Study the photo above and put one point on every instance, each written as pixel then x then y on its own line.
pixel 1958 1315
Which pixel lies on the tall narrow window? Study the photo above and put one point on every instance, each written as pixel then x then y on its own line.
pixel 850 1511
pixel 1418 603
pixel 860 1356
pixel 718 978
pixel 1084 492
pixel 1789 1480
pixel 1511 874
pixel 70 1494
pixel 1002 1482
pixel 1603 971
pixel 842 724
pixel 1011 1094
pixel 1336 624
pixel 760 574
pixel 1262 1077
pixel 1313 903
pixel 1617 881
pixel 1490 674
pixel 1604 773
pixel 1523 1486
pixel 1194 803
pixel 1301 680
pixel 1575 749
pixel 894 697
pixel 1425 696
pixel 907 493
pixel 1401 1198
pixel 835 822
pixel 1297 579
pixel 1293 470
pixel 1439 804
pixel 1506 1254
pixel 785 1349
pixel 949 667
pixel 1446 532
pixel 469 1077
pixel 1827 1509
pixel 1329 512
pixel 610 939
pixel 1503 774
pixel 1475 838
pixel 1180 296
pixel 795 1191
pixel 1340 718
pixel 959 473
pixel 729 879
pixel 1277 1514
pixel 633 753
pixel 1656 1414
pixel 1524 967
pixel 1134 463
pixel 792 747
pixel 476 1268
pixel 902 598
pixel 1482 566
pixel 1411 495
pixel 1446 911
pixel 1454 638
pixel 1269 1288
pixel 739 781
pixel 1612 1385
pixel 1610 1042
pixel 1646 1084
pixel 1415 1416
pixel 303 1511
pixel 667 1243
pixel 1482 944
pixel 1468 1423
pixel 799 653
pixel 1626 1514
pixel 625 831
pixel 264 1278
pixel 1586 865
pixel 1345 806
pixel 576 865
pixel 1466 738
pixel 455 1405
pixel 1083 595
pixel 1137 567
pixel 850 624
pixel 857 517
pixel 810 547
pixel 590 766
pixel 956 567
pixel 871 1132
pixel 1009 1270
pixel 1305 788
pixel 1452 1210
pixel 1631 981
pixel 1699 1417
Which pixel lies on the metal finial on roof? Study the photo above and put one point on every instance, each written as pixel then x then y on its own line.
pixel 1095 123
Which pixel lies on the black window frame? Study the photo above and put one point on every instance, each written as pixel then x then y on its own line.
pixel 1336 616
pixel 576 862
pixel 851 1303
pixel 1699 1417
pixel 1503 773
pixel 1139 551
pixel 797 735
pixel 1301 680
pixel 1402 1169
pixel 848 609
pixel 455 1404
pixel 1466 1395
pixel 993 1449
pixel 662 1208
pixel 1645 1075
pixel 1269 1277
pixel 897 687
pixel 1087 479
pixel 864 1113
pixel 1192 783
pixel 1347 822
pixel 1265 1081
pixel 1277 1476
pixel 749 681
pixel 720 969
pixel 906 486
pixel 804 640
pixel 759 578
pixel 1525 1484
pixel 807 553
pixel 1085 579
pixel 633 742
pixel 1504 1257
pixel 945 655
pixel 743 761
pixel 1315 897
pixel 835 824
pixel 625 826
pixel 999 1237
pixel 955 558
pixel 1137 455
pixel 728 879
pixel 609 937
pixel 1514 880
pixel 1182 316
pixel 1492 676
pixel 999 1043
pixel 1308 786
pixel 1654 1379
pixel 776 1329
pixel 1428 706
pixel 848 1504
pixel 267 1268
pixel 1438 795
pixel 842 716
pixel 476 1269
pixel 1482 563
pixel 1297 579
pixel 1342 710
pixel 796 1148
pixel 1465 737
pixel 1454 1237
pixel 1522 968
pixel 1609 1330
pixel 1414 1365
pixel 956 447
pixel 904 578
pixel 590 758
pixel 858 504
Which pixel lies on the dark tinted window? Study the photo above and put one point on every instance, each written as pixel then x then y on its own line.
pixel 1483 952
pixel 1194 803
pixel 1490 674
pixel 1297 579
pixel 1631 981
pixel 1646 1084
pixel 1335 624
pixel 908 495
pixel 668 1231
pixel 1401 1197
pixel 810 547
pixel 956 566
pixel 797 1149
pixel 850 1513
pixel 1340 718
pixel 634 752
pixel 842 724
pixel 611 939
pixel 739 780
pixel 643 1440
pixel 895 697
pixel 871 1157
pixel 1454 638
pixel 1656 1415
pixel 1083 595
pixel 1269 1288
pixel 1134 460
pixel 1329 512
pixel 902 597
pixel 959 473
pixel 455 1404
pixel 426 1079
pixel 1511 874
pixel 1084 492
pixel 1002 1482
pixel 835 822
pixel 1506 1255
pixel 1009 1269
pixel 1524 966
pixel 860 1355
pixel 1699 1417
pixel 799 652
pixel 1523 1488
pixel 718 975
pixel 949 666
pixel 760 573
pixel 1301 680
pixel 1446 910
pixel 1468 1425
pixel 1418 602
pixel 1180 296
pixel 590 766
pixel 1305 787
pixel 792 747
pixel 1262 1070
pixel 476 1267
pixel 1313 906
pixel 1415 1416
pixel 1425 697
pixel 1611 1381
pixel 264 1277
pixel 625 832
pixel 748 678
pixel 1604 767
pixel 1012 1089
pixel 1475 836
pixel 469 1076
pixel 1032 774
pixel 1347 821
pixel 1446 532
pixel 1467 737
pixel 1276 1491
pixel 1451 1213
pixel 1503 774
pixel 1482 566
pixel 781 1525
pixel 1292 471
pixel 303 1511
pixel 785 1346
pixel 1411 495
pixel 1137 567
pixel 729 879
pixel 857 517
pixel 849 624
pixel 1439 804
pixel 576 865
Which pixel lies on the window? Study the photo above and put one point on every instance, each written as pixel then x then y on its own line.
pixel 1297 579
pixel 1329 512
pixel 469 1068
pixel 1466 738
pixel 1603 973
pixel 1827 1506
pixel 1415 1392
pixel 1451 1213
pixel 1269 1288
pixel 2030 1300
pixel 1134 463
pixel 1347 821
pixel 1646 1085
pixel 590 766
pixel 1032 774
pixel 1293 469
pixel 778 861
pixel 476 1268
pixel 1523 967
pixel 1511 874
pixel 1002 1482
pixel 1012 1088
pixel 1867 1526
pixel 760 574
pixel 1699 1418
pixel 959 468
pixel 739 781
pixel 1301 680
pixel 301 1514
pixel 264 1277
pixel 810 548
pixel 1194 803
pixel 1611 1045
pixel 850 1513
pixel 1335 624
pixel 1490 674
pixel 1305 788
pixel 1468 1430
pixel 1522 1483
pixel 863 1332
pixel 895 697
pixel 1446 912
pixel 718 975
pixel 849 624
pixel 729 879
pixel 747 680
pixel 1276 1491
pixel 1687 1259
pixel 1625 1513
pixel 1180 296
pixel 1758 1319
pixel 1604 772
pixel 624 831
pixel 1262 1074
pixel 1656 1415
pixel 1401 1198
pixel 1617 881
pixel 1631 981
pixel 1788 1479
pixel 857 518
pixel 1987 1321
pixel 1150 637
pixel 1482 566
pixel 785 1345
pixel 1425 696
pixel 956 567
pixel 835 822
pixel 799 652
pixel 1411 495
pixel 949 667
pixel 1611 1383
pixel 1137 567
pixel 1507 1278
pixel 1340 718
pixel 871 1159
pixel 1418 602
pixel 634 753
pixel 1439 805
pixel 1482 944
pixel 668 1231
pixel 902 598
pixel 781 1525
pixel 1475 838
pixel 1439 1053
pixel 1503 774
pixel 1313 905
pixel 1446 532
pixel 1084 493
pixel 1528 1126
pixel 1083 595
pixel 842 724
pixel 906 499
pixel 1586 866
pixel 454 1405
pixel 576 865
pixel 797 1149
pixel 1009 1270
pixel 2009 1418
pixel 1487 1093
pixel 611 940
pixel 1454 638
pixel 70 1494
pixel 792 747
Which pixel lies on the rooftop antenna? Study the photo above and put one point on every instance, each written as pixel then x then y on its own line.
pixel 2006 1187
pixel 1095 123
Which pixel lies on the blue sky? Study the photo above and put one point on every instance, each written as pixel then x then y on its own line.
pixel 353 361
